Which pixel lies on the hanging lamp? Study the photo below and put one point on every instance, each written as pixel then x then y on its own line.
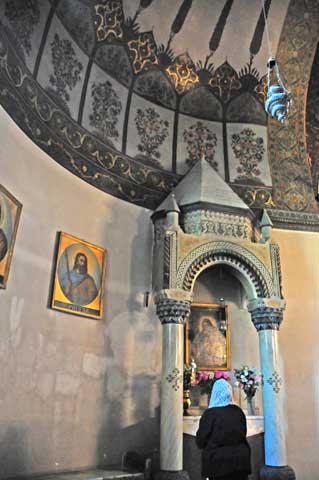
pixel 279 99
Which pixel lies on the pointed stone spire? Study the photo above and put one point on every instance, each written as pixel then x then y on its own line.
pixel 172 211
pixel 172 205
pixel 265 220
pixel 266 226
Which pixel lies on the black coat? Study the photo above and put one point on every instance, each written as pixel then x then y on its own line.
pixel 222 436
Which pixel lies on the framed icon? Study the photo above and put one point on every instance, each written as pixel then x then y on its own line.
pixel 79 274
pixel 10 211
pixel 207 337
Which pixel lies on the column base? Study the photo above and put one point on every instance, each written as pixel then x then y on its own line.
pixel 171 475
pixel 277 473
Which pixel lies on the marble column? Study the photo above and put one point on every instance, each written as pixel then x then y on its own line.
pixel 173 308
pixel 267 315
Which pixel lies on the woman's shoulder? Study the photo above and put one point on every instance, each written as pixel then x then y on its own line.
pixel 236 408
pixel 231 407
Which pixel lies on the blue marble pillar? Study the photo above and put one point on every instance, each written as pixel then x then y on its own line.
pixel 273 401
pixel 267 315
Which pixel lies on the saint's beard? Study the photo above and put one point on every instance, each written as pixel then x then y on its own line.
pixel 81 269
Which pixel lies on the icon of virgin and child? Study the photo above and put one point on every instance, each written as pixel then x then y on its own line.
pixel 209 344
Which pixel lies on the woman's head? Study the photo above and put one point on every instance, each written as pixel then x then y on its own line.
pixel 221 395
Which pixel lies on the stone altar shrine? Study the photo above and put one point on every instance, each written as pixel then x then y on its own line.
pixel 203 223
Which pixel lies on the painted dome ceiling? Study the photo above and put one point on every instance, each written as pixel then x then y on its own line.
pixel 130 94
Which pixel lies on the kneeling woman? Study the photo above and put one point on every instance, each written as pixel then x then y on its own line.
pixel 222 436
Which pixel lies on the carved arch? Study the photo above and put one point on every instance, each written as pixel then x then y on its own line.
pixel 253 273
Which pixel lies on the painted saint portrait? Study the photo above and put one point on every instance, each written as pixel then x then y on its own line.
pixel 78 283
pixel 207 337
pixel 10 210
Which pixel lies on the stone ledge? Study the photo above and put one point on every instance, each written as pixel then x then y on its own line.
pixel 111 473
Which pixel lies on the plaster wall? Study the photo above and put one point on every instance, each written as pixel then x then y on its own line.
pixel 298 339
pixel 74 392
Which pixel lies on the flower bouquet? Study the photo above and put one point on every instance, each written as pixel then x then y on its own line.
pixel 248 380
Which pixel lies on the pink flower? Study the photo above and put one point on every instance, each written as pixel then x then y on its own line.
pixel 218 374
pixel 205 376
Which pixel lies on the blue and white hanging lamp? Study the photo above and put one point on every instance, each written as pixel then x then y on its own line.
pixel 279 99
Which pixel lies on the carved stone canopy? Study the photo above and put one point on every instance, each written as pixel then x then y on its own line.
pixel 209 205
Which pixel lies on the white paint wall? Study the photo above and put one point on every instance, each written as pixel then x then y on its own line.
pixel 298 339
pixel 74 392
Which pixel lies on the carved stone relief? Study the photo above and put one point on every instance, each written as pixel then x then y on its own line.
pixel 216 223
pixel 235 255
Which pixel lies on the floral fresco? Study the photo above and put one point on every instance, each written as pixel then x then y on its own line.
pixel 66 67
pixel 200 141
pixel 249 149
pixel 152 131
pixel 106 107
pixel 23 17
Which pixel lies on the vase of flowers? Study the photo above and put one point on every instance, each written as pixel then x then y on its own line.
pixel 248 380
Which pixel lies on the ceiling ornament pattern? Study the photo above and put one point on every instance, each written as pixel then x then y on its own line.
pixel 255 197
pixel 185 101
pixel 183 73
pixel 291 173
pixel 109 20
pixel 142 51
pixel 225 82
pixel 72 146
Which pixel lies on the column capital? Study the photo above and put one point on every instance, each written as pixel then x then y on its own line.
pixel 173 305
pixel 267 313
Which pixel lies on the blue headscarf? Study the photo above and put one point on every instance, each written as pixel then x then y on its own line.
pixel 221 395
